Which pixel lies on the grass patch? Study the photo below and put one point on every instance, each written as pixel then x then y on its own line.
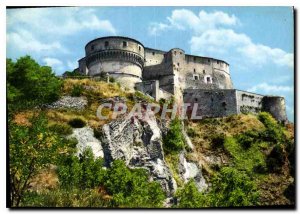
pixel 244 159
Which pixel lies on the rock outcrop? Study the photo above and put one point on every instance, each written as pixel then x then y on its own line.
pixel 139 143
pixel 78 103
pixel 191 170
pixel 86 139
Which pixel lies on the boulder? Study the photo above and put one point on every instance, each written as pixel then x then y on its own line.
pixel 139 143
pixel 191 170
pixel 85 138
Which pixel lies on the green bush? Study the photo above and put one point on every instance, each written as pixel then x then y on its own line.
pixel 274 132
pixel 190 197
pixel 247 139
pixel 77 123
pixel 61 129
pixel 131 188
pixel 276 158
pixel 31 149
pixel 77 91
pixel 30 84
pixel 173 142
pixel 218 141
pixel 80 172
pixel 230 188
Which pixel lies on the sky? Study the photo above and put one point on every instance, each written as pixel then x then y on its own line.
pixel 257 42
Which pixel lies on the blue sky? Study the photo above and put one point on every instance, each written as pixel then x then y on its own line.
pixel 257 42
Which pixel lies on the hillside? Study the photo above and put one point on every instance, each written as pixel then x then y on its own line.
pixel 63 155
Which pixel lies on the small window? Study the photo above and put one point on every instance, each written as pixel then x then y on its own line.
pixel 139 48
pixel 175 53
pixel 194 70
pixel 217 62
pixel 153 53
pixel 203 71
pixel 208 60
pixel 177 63
pixel 196 77
pixel 196 99
pixel 106 44
pixel 208 79
pixel 125 44
pixel 92 47
pixel 180 53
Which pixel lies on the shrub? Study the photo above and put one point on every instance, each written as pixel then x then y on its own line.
pixel 190 197
pixel 77 91
pixel 131 188
pixel 274 132
pixel 80 172
pixel 61 129
pixel 232 188
pixel 173 142
pixel 218 141
pixel 30 84
pixel 276 158
pixel 31 149
pixel 77 123
pixel 247 138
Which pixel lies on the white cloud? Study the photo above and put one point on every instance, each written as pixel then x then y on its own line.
pixel 211 36
pixel 228 41
pixel 271 89
pixel 59 21
pixel 25 41
pixel 182 19
pixel 56 64
pixel 52 61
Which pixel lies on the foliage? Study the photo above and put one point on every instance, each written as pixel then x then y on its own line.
pixel 276 158
pixel 244 159
pixel 71 197
pixel 61 129
pixel 274 132
pixel 30 149
pixel 229 188
pixel 232 188
pixel 217 141
pixel 190 197
pixel 131 188
pixel 30 84
pixel 80 172
pixel 74 73
pixel 77 123
pixel 247 139
pixel 173 142
pixel 77 90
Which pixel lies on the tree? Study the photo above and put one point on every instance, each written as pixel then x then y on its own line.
pixel 174 139
pixel 29 84
pixel 31 148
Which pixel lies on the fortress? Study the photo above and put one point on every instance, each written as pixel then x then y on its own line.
pixel 173 73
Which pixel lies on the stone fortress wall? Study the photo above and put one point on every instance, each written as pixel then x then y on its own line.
pixel 162 74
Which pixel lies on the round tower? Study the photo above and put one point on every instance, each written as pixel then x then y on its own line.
pixel 275 105
pixel 119 57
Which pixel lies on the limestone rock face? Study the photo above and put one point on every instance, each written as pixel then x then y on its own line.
pixel 190 170
pixel 86 139
pixel 78 103
pixel 139 143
